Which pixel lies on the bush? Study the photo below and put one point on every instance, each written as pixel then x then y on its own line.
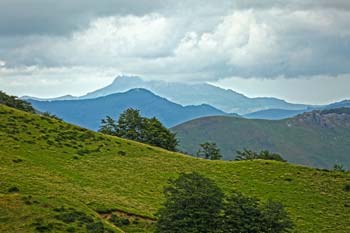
pixel 193 204
pixel 347 188
pixel 13 190
pixel 264 154
pixel 119 221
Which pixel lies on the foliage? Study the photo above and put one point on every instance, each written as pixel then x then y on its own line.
pixel 264 154
pixel 193 204
pixel 209 150
pixel 131 125
pixel 338 168
pixel 48 114
pixel 108 126
pixel 15 102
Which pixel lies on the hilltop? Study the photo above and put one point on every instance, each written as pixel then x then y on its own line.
pixel 317 138
pixel 61 178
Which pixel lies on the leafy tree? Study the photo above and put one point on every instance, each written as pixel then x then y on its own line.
pixel 264 154
pixel 209 150
pixel 275 219
pixel 193 204
pixel 241 214
pixel 14 102
pixel 245 215
pixel 108 126
pixel 339 168
pixel 154 133
pixel 129 125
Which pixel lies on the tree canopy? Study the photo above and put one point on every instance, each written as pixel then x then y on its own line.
pixel 131 125
pixel 264 154
pixel 193 204
pixel 15 102
pixel 209 150
pixel 196 204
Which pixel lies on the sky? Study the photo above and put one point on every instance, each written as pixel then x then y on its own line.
pixel 298 50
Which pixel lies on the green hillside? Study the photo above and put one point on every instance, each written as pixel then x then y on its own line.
pixel 317 141
pixel 56 177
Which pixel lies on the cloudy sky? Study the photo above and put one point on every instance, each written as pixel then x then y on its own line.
pixel 296 50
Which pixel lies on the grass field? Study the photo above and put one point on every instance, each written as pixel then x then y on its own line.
pixel 56 177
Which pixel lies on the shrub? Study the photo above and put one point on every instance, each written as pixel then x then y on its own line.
pixel 13 190
pixel 119 221
pixel 347 188
pixel 122 153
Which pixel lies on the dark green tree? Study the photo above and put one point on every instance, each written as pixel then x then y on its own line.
pixel 193 204
pixel 108 126
pixel 275 219
pixel 245 215
pixel 129 125
pixel 15 102
pixel 209 150
pixel 154 133
pixel 264 154
pixel 241 214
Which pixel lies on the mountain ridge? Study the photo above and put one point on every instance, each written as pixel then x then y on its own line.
pixel 310 139
pixel 89 112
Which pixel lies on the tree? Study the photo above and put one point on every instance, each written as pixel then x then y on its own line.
pixel 193 204
pixel 338 168
pixel 130 125
pixel 154 133
pixel 209 150
pixel 108 126
pixel 241 214
pixel 245 215
pixel 264 154
pixel 275 218
pixel 14 102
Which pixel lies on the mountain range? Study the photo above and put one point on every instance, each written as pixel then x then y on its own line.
pixel 317 138
pixel 190 94
pixel 89 112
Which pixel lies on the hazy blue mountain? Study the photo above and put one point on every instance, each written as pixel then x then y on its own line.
pixel 89 112
pixel 278 114
pixel 196 94
pixel 274 114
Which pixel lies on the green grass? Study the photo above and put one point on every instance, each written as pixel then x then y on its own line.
pixel 55 165
pixel 298 143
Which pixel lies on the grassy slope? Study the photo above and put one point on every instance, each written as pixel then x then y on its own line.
pixel 64 165
pixel 312 146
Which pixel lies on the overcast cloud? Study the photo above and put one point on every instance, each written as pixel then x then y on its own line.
pixel 46 44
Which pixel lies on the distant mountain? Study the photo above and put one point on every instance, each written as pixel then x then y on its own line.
pixel 317 138
pixel 278 114
pixel 65 97
pixel 274 114
pixel 89 112
pixel 192 94
pixel 195 94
